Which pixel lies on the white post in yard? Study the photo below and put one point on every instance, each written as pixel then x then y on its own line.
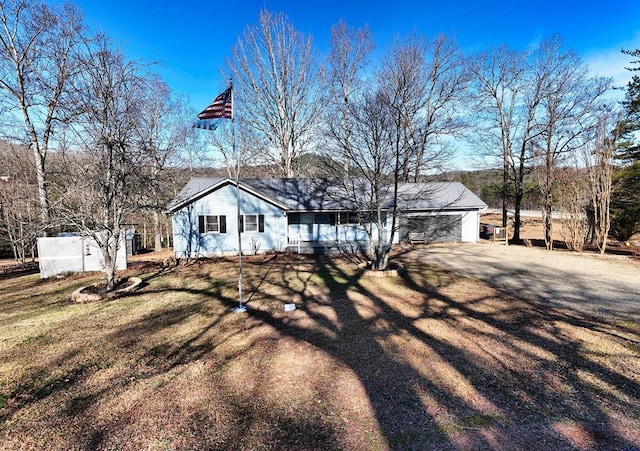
pixel 222 108
pixel 240 308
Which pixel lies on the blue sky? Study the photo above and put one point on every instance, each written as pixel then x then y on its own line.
pixel 189 40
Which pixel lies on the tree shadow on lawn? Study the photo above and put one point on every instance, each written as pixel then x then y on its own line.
pixel 246 417
pixel 454 395
pixel 414 354
pixel 145 361
pixel 572 379
pixel 488 370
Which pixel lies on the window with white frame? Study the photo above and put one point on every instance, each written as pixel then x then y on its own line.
pixel 212 224
pixel 252 223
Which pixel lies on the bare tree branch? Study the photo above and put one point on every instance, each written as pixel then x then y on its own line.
pixel 275 72
pixel 38 60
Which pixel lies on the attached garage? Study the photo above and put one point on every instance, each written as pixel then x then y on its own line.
pixel 444 212
pixel 437 228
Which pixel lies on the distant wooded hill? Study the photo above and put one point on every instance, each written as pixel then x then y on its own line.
pixel 487 185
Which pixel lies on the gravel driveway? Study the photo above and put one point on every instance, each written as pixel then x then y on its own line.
pixel 602 286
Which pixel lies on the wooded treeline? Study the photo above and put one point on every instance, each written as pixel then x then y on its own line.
pixel 93 141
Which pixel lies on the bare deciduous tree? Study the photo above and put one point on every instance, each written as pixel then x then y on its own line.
pixel 350 49
pixel 38 45
pixel 598 156
pixel 570 101
pixel 162 134
pixel 372 183
pixel 276 75
pixel 389 137
pixel 109 98
pixel 400 84
pixel 506 99
pixel 573 200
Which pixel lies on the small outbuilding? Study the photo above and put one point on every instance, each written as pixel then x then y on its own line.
pixel 70 252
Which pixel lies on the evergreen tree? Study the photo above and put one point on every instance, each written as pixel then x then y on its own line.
pixel 625 204
pixel 629 147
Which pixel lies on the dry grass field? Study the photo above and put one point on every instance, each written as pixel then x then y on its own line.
pixel 426 360
pixel 531 228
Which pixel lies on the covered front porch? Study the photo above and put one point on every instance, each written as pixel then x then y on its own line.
pixel 327 247
pixel 330 228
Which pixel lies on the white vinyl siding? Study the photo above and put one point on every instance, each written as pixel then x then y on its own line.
pixel 271 225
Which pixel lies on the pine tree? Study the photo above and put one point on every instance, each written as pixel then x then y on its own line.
pixel 629 146
pixel 625 204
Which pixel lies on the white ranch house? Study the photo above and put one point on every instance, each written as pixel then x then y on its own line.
pixel 278 213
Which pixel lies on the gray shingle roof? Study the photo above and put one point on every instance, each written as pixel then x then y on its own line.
pixel 301 194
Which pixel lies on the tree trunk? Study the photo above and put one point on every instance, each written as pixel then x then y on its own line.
pixel 548 198
pixel 505 184
pixel 157 231
pixel 519 195
pixel 109 246
pixel 345 125
pixel 110 274
pixel 516 216
pixel 144 234
pixel 381 255
pixel 167 229
pixel 548 223
pixel 43 197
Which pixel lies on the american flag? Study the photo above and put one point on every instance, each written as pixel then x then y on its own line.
pixel 220 108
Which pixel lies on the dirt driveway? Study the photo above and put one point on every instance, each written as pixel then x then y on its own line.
pixel 603 286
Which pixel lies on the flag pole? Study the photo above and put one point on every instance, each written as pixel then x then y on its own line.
pixel 240 308
pixel 222 107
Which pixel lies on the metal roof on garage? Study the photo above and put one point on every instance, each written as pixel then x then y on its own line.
pixel 438 196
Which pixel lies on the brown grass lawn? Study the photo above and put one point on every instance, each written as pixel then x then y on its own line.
pixel 422 361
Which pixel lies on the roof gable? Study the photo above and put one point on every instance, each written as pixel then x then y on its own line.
pixel 199 187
